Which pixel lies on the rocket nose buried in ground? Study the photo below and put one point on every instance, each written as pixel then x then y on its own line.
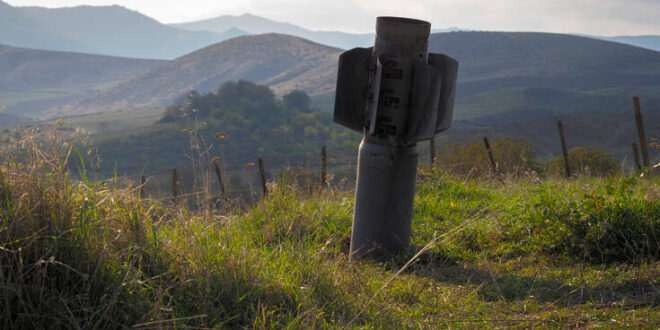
pixel 397 94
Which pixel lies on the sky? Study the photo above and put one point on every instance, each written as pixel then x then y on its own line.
pixel 598 17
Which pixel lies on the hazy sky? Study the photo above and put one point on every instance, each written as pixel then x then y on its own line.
pixel 602 17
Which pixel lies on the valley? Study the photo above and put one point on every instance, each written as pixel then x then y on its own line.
pixel 511 85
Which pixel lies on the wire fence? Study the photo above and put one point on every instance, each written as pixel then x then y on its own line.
pixel 216 183
pixel 208 181
pixel 247 183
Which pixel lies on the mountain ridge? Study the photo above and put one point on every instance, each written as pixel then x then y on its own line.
pixel 119 31
pixel 32 80
pixel 283 62
pixel 645 41
pixel 254 24
pixel 490 62
pixel 104 30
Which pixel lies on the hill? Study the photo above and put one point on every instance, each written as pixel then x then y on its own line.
pixel 252 24
pixel 491 63
pixel 17 29
pixel 648 41
pixel 500 60
pixel 530 79
pixel 511 84
pixel 34 80
pixel 108 30
pixel 282 62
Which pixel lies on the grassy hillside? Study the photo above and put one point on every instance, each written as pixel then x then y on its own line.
pixel 496 60
pixel 540 102
pixel 38 80
pixel 283 62
pixel 512 84
pixel 503 71
pixel 30 69
pixel 491 63
pixel 523 254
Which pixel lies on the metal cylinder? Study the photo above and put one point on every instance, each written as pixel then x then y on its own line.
pixel 402 37
pixel 399 43
pixel 387 169
pixel 384 199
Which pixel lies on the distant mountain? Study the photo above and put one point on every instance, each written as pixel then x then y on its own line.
pixel 496 60
pixel 510 84
pixel 34 80
pixel 252 24
pixel 494 66
pixel 17 29
pixel 108 30
pixel 282 62
pixel 649 41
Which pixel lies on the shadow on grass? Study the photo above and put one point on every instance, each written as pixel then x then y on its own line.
pixel 493 286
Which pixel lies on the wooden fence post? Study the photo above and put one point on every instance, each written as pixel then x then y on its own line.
pixel 218 174
pixel 432 150
pixel 493 164
pixel 143 181
pixel 564 149
pixel 638 162
pixel 643 143
pixel 262 175
pixel 324 167
pixel 175 182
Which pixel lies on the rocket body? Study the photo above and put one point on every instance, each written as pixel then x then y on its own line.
pixel 396 94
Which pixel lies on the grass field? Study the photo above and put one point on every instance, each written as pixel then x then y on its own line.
pixel 521 253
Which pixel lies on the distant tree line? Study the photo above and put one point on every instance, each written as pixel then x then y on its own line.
pixel 239 101
pixel 241 121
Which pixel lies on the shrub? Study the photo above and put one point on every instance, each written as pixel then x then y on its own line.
pixel 511 156
pixel 584 161
pixel 609 223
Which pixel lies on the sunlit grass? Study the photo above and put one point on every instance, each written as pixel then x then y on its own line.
pixel 514 253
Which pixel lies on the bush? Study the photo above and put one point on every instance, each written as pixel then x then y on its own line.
pixel 584 161
pixel 598 221
pixel 511 156
pixel 607 223
pixel 298 100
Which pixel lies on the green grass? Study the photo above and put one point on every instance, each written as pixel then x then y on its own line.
pixel 521 254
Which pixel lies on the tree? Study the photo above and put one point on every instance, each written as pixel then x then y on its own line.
pixel 298 100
